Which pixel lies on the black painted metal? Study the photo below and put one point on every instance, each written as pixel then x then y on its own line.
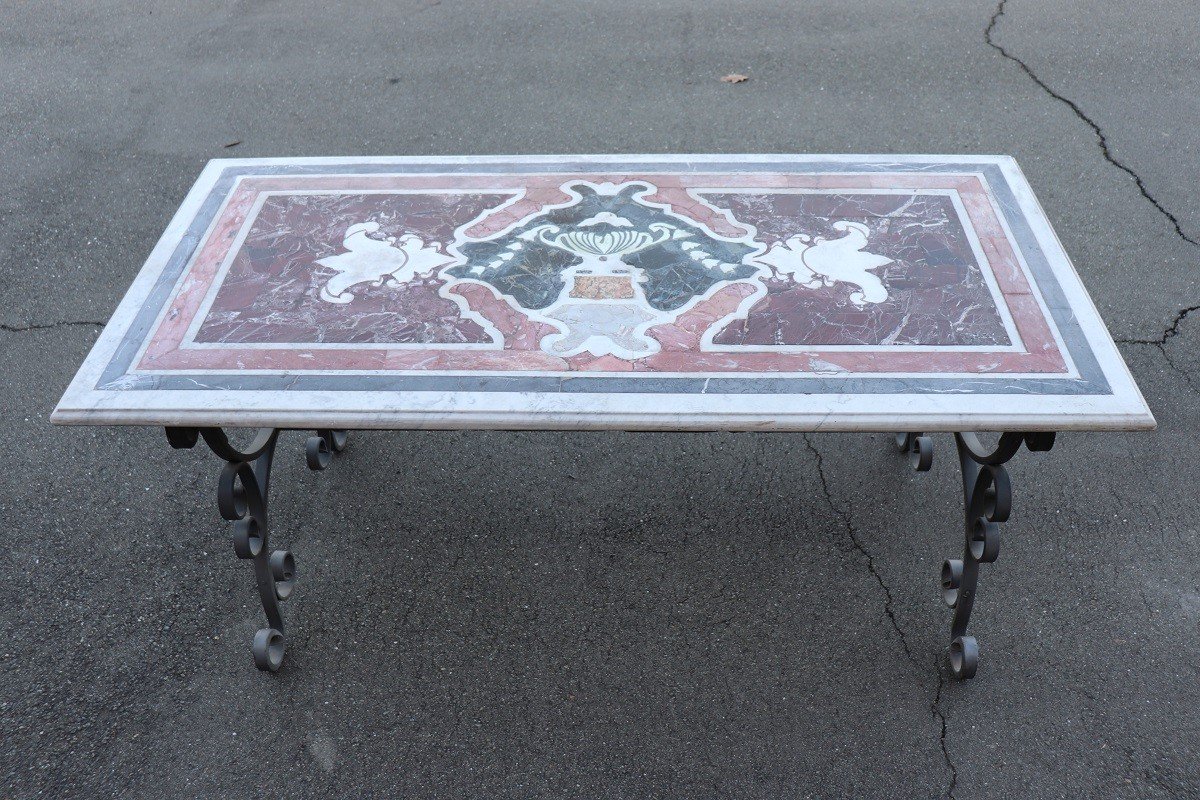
pixel 245 481
pixel 219 443
pixel 183 438
pixel 242 492
pixel 919 448
pixel 320 449
pixel 987 502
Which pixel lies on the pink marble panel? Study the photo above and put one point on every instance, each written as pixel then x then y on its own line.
pixel 938 294
pixel 271 291
pixel 270 296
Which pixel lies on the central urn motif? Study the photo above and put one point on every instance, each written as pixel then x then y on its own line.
pixel 602 307
pixel 615 243
pixel 605 268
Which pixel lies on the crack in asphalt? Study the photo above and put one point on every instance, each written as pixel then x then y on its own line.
pixel 34 326
pixel 1161 344
pixel 1171 331
pixel 1100 136
pixel 846 518
pixel 1102 140
pixel 846 515
pixel 937 712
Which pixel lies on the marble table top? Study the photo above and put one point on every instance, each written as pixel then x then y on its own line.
pixel 889 293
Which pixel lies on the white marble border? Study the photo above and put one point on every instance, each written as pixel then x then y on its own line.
pixel 607 411
pixel 1104 349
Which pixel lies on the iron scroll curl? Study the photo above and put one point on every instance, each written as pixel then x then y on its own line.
pixel 987 503
pixel 242 498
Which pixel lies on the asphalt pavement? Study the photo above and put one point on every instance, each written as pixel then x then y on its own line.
pixel 488 615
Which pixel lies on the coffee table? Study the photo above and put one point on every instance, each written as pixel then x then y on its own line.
pixel 650 292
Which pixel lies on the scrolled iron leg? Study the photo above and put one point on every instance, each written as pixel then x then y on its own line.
pixel 242 492
pixel 242 498
pixel 987 502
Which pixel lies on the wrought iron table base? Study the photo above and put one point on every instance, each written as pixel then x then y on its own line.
pixel 245 481
pixel 987 501
pixel 242 498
